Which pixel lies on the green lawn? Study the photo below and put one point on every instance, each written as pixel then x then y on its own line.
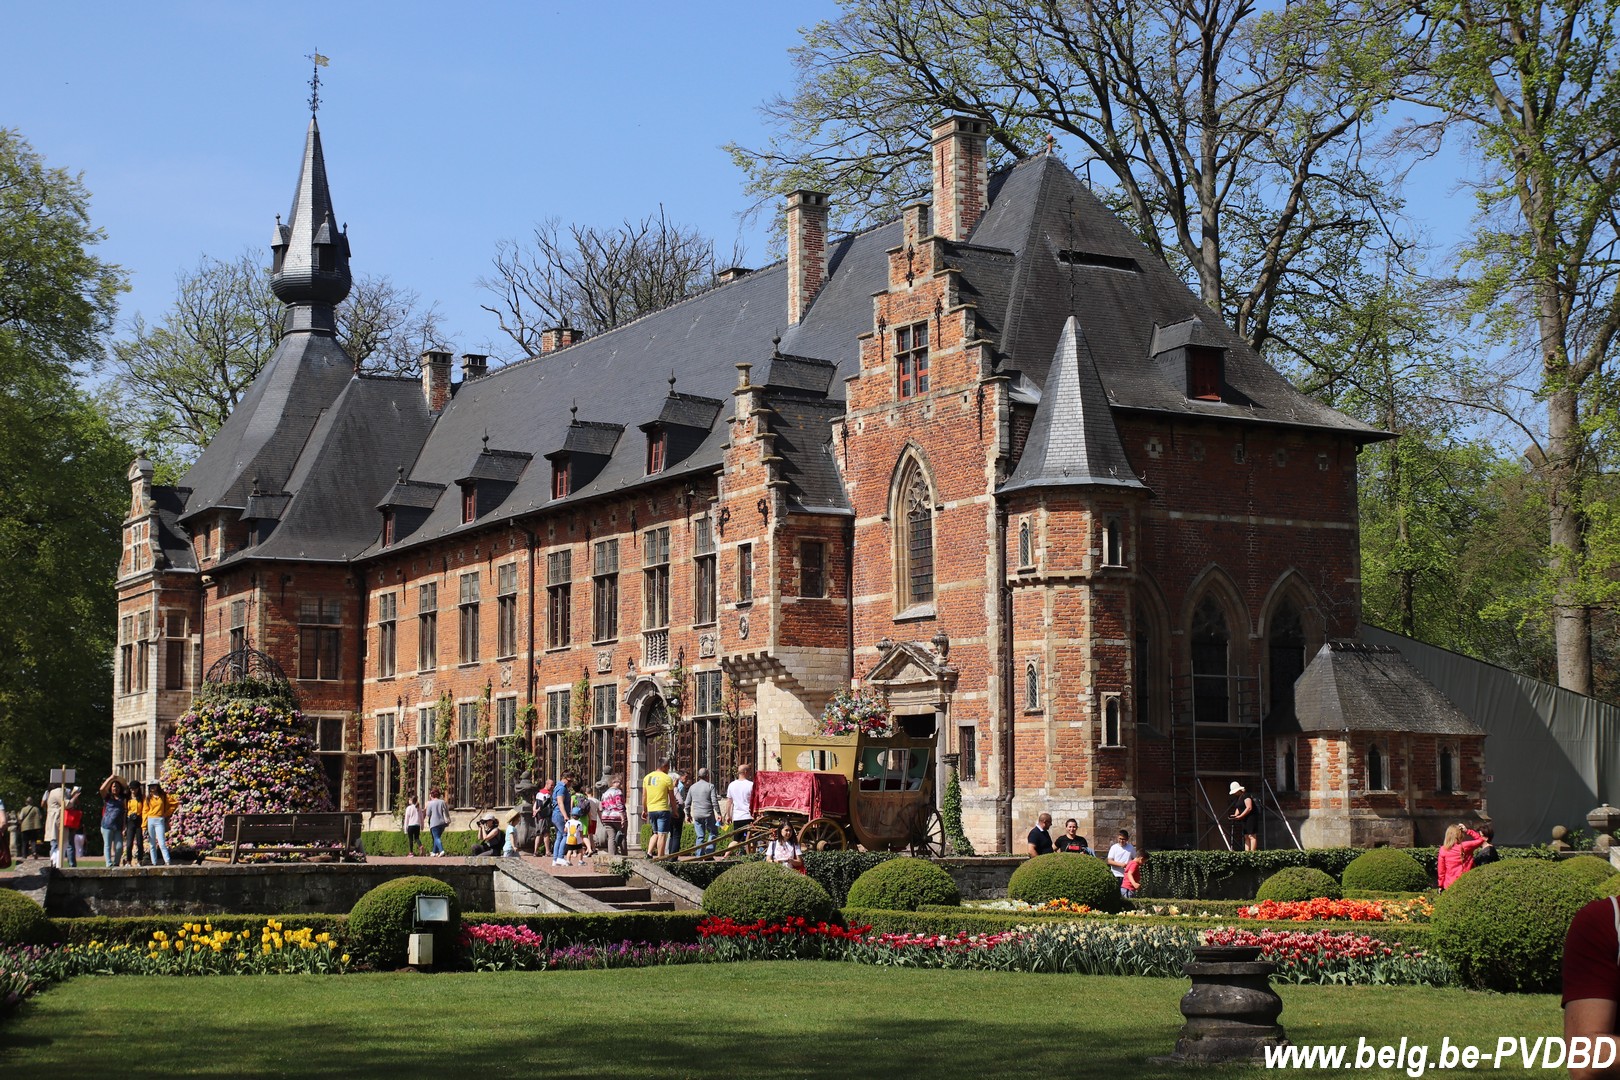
pixel 732 1021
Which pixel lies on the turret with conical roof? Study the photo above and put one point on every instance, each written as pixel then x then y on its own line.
pixel 311 269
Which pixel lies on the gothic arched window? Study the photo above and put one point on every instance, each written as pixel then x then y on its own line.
pixel 1026 544
pixel 1111 722
pixel 1285 651
pixel 1032 687
pixel 1375 769
pixel 1113 544
pixel 1211 651
pixel 914 547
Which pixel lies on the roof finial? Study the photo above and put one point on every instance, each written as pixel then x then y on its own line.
pixel 573 414
pixel 399 472
pixel 1051 142
pixel 319 62
pixel 486 440
pixel 671 382
pixel 776 344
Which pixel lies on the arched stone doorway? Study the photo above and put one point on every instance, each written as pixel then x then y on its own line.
pixel 649 730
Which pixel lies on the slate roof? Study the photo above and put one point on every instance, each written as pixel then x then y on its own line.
pixel 1353 686
pixel 173 539
pixel 1072 440
pixel 1044 251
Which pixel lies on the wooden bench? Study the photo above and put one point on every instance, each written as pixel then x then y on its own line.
pixel 291 833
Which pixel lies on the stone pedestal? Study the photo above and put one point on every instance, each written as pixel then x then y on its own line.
pixel 1231 1010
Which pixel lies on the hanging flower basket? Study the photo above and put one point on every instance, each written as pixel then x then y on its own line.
pixel 853 712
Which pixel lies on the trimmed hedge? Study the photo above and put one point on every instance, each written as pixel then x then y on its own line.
pixel 1502 926
pixel 769 891
pixel 382 920
pixel 834 871
pixel 1298 883
pixel 1192 873
pixel 1387 869
pixel 23 922
pixel 1592 872
pixel 391 843
pixel 903 885
pixel 1084 879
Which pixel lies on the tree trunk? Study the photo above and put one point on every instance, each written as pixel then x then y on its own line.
pixel 1572 621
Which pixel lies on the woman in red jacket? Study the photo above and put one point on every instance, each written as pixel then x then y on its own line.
pixel 1457 854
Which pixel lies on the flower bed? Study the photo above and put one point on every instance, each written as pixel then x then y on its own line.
pixel 505 947
pixel 1324 956
pixel 1322 908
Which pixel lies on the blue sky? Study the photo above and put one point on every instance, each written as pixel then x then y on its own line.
pixel 444 131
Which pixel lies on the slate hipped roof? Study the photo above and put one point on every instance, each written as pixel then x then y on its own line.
pixel 1069 299
pixel 1352 686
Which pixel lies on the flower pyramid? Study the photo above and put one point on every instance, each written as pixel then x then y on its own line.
pixel 242 748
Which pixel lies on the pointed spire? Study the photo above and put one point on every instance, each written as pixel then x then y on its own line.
pixel 311 254
pixel 1072 440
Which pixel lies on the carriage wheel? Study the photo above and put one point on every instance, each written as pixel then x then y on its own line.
pixel 928 839
pixel 822 834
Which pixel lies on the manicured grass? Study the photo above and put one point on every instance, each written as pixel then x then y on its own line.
pixel 736 1020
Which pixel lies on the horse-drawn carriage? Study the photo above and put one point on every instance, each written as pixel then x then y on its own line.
pixel 844 791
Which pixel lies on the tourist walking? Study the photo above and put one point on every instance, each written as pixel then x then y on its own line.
pixel 413 827
pixel 32 823
pixel 54 802
pixel 1121 854
pixel 542 819
pixel 560 806
pixel 1131 882
pixel 657 792
pixel 613 815
pixel 1456 855
pixel 436 814
pixel 113 799
pixel 1071 840
pixel 1040 837
pixel 703 808
pixel 739 805
pixel 1245 816
pixel 677 812
pixel 155 811
pixel 134 826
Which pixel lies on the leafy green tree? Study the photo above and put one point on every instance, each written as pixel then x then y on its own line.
pixel 64 468
pixel 1535 88
pixel 1234 138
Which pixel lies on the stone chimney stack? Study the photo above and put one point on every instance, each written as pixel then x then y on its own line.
pixel 960 175
pixel 474 365
pixel 559 337
pixel 807 250
pixel 436 379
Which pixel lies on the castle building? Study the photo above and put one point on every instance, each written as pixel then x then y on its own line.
pixel 992 460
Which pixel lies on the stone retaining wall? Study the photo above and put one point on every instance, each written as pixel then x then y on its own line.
pixel 309 888
pixel 982 878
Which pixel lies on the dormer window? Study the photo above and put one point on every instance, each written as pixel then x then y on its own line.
pixel 1205 373
pixel 388 528
pixel 561 479
pixel 911 359
pixel 469 503
pixel 657 450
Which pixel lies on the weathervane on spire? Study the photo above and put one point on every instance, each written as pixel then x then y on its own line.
pixel 319 62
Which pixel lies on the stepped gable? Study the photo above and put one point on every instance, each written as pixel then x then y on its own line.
pixel 1072 440
pixel 348 466
pixel 1353 686
pixel 1067 242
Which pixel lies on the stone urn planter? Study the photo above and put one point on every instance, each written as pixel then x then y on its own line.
pixel 1231 1010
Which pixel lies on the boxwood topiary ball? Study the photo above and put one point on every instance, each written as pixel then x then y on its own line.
pixel 1386 870
pixel 1294 883
pixel 1590 870
pixel 1502 926
pixel 768 891
pixel 1062 875
pixel 381 920
pixel 23 922
pixel 903 885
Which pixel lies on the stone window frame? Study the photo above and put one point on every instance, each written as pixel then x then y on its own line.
pixel 1113 542
pixel 1441 750
pixel 1026 545
pixel 506 609
pixel 967 743
pixel 1034 700
pixel 1111 713
pixel 1287 771
pixel 1386 769
pixel 913 498
pixel 387 634
pixel 911 374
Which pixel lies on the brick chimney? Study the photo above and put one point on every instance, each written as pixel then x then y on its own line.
pixel 959 175
pixel 559 337
pixel 436 379
pixel 807 250
pixel 474 365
